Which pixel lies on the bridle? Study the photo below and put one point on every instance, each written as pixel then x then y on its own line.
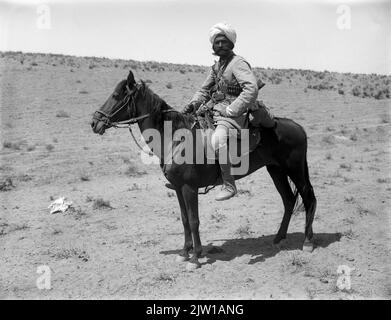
pixel 129 101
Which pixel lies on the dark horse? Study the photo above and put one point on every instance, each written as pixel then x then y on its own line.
pixel 283 151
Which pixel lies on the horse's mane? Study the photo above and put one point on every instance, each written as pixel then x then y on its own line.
pixel 156 107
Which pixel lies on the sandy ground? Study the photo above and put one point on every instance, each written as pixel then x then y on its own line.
pixel 128 251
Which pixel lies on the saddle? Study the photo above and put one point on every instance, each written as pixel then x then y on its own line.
pixel 206 125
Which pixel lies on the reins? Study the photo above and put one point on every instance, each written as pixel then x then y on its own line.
pixel 128 123
pixel 129 102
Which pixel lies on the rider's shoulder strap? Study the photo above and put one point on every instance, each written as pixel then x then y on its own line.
pixel 218 69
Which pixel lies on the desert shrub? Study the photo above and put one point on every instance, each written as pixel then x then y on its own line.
pixel 353 137
pixel 84 177
pixel 164 277
pixel 356 91
pixel 243 231
pixel 385 118
pixel 341 91
pixel 83 92
pixel 7 184
pixel 382 94
pixel 99 203
pixel 275 78
pixel 49 147
pixel 328 139
pixel 133 171
pixel 77 213
pixel 62 114
pixel 169 85
pixel 12 145
pixel 154 65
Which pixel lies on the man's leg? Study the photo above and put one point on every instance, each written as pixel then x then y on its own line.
pixel 220 144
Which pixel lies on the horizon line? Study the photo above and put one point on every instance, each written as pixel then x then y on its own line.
pixel 184 64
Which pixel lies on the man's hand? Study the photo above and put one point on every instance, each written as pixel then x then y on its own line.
pixel 191 107
pixel 202 110
pixel 220 109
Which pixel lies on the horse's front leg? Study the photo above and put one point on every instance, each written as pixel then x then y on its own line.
pixel 190 197
pixel 188 245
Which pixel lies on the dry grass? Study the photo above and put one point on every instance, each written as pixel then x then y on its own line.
pixel 245 192
pixel 329 139
pixel 217 217
pixel 164 277
pixel 62 114
pixel 99 203
pixel 7 184
pixel 243 231
pixel 134 187
pixel 133 171
pixel 349 233
pixel 49 147
pixel 346 166
pixel 64 253
pixel 383 180
pixel 31 147
pixel 84 177
pixel 13 145
pixel 77 213
pixel 171 194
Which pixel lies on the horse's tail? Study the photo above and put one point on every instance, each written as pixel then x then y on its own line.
pixel 299 205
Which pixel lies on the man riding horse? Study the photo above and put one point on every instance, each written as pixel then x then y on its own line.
pixel 229 91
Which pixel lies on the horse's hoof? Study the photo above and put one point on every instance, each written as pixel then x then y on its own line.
pixel 308 247
pixel 180 258
pixel 190 266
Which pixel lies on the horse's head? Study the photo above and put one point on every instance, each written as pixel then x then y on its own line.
pixel 117 107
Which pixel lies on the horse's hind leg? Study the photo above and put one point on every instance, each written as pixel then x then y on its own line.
pixel 280 180
pixel 188 245
pixel 303 185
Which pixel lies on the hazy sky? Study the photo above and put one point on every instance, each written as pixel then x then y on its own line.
pixel 281 34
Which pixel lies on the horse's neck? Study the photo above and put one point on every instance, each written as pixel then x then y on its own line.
pixel 162 123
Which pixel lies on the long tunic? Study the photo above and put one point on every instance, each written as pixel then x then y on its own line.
pixel 236 103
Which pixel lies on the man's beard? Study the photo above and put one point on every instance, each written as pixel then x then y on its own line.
pixel 222 53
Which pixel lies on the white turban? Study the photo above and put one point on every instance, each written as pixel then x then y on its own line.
pixel 222 28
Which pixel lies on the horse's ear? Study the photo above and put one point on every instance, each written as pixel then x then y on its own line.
pixel 130 81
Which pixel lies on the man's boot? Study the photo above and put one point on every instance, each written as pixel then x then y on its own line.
pixel 228 189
